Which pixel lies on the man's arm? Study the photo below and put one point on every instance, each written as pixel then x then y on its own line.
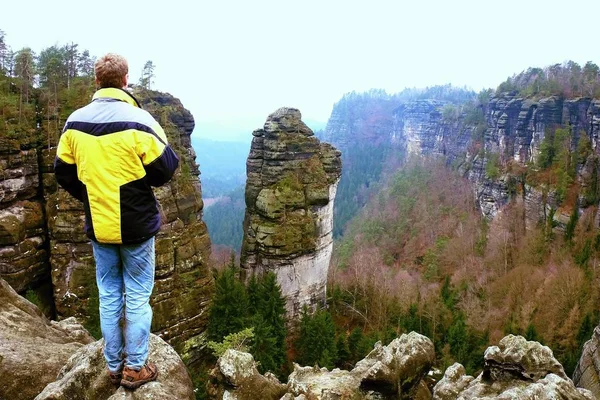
pixel 158 158
pixel 65 169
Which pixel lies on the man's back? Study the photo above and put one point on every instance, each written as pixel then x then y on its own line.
pixel 120 151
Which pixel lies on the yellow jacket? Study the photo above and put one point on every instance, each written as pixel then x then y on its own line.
pixel 109 155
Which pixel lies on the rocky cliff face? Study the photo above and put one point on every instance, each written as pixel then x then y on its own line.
pixel 513 129
pixel 290 190
pixel 23 234
pixel 42 239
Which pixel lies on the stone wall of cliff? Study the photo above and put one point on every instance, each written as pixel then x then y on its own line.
pixel 513 130
pixel 42 243
pixel 290 191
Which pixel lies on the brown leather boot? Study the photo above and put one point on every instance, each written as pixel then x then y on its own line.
pixel 133 379
pixel 115 378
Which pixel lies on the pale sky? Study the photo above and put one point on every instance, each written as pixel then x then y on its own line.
pixel 234 62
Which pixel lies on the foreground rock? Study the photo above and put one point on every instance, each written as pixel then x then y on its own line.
pixel 392 371
pixel 516 369
pixel 236 377
pixel 32 349
pixel 587 373
pixel 291 186
pixel 85 377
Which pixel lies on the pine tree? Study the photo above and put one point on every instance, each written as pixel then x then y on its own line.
pixel 531 333
pixel 272 308
pixel 357 345
pixel 253 290
pixel 316 344
pixel 571 225
pixel 343 352
pixel 267 306
pixel 265 349
pixel 147 77
pixel 228 312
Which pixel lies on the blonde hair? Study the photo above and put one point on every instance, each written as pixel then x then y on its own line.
pixel 111 70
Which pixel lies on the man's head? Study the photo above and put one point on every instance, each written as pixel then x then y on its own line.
pixel 111 71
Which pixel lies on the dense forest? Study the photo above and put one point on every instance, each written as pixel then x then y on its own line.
pixel 568 80
pixel 421 257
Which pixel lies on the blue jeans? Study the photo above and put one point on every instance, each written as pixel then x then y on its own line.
pixel 125 277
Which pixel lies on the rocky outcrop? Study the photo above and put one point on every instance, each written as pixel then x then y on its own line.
pixel 515 369
pixel 42 226
pixel 85 377
pixel 290 190
pixel 392 371
pixel 32 349
pixel 587 372
pixel 23 246
pixel 235 377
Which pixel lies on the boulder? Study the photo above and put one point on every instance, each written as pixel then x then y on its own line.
pixel 32 349
pixel 85 377
pixel 515 369
pixel 236 377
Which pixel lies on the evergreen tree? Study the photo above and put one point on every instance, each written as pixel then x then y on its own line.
pixel 571 225
pixel 253 290
pixel 317 344
pixel 458 339
pixel 267 310
pixel 357 345
pixel 229 308
pixel 343 351
pixel 531 333
pixel 265 348
pixel 271 305
pixel 147 77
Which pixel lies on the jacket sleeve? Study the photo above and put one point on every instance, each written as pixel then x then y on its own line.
pixel 158 158
pixel 65 168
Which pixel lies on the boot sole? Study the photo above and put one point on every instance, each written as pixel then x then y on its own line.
pixel 136 384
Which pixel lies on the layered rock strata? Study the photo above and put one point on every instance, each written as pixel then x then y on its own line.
pixel 513 129
pixel 84 377
pixel 32 349
pixel 290 191
pixel 515 369
pixel 23 238
pixel 392 371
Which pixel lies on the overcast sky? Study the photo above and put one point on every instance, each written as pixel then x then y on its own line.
pixel 233 62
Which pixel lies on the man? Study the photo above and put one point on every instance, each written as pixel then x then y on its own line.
pixel 110 154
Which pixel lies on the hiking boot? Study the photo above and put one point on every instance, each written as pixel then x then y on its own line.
pixel 115 377
pixel 133 379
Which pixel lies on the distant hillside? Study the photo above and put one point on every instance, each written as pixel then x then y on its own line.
pixel 362 126
pixel 223 165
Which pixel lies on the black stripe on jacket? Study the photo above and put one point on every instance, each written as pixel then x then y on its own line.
pixel 161 170
pixel 106 128
pixel 66 176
